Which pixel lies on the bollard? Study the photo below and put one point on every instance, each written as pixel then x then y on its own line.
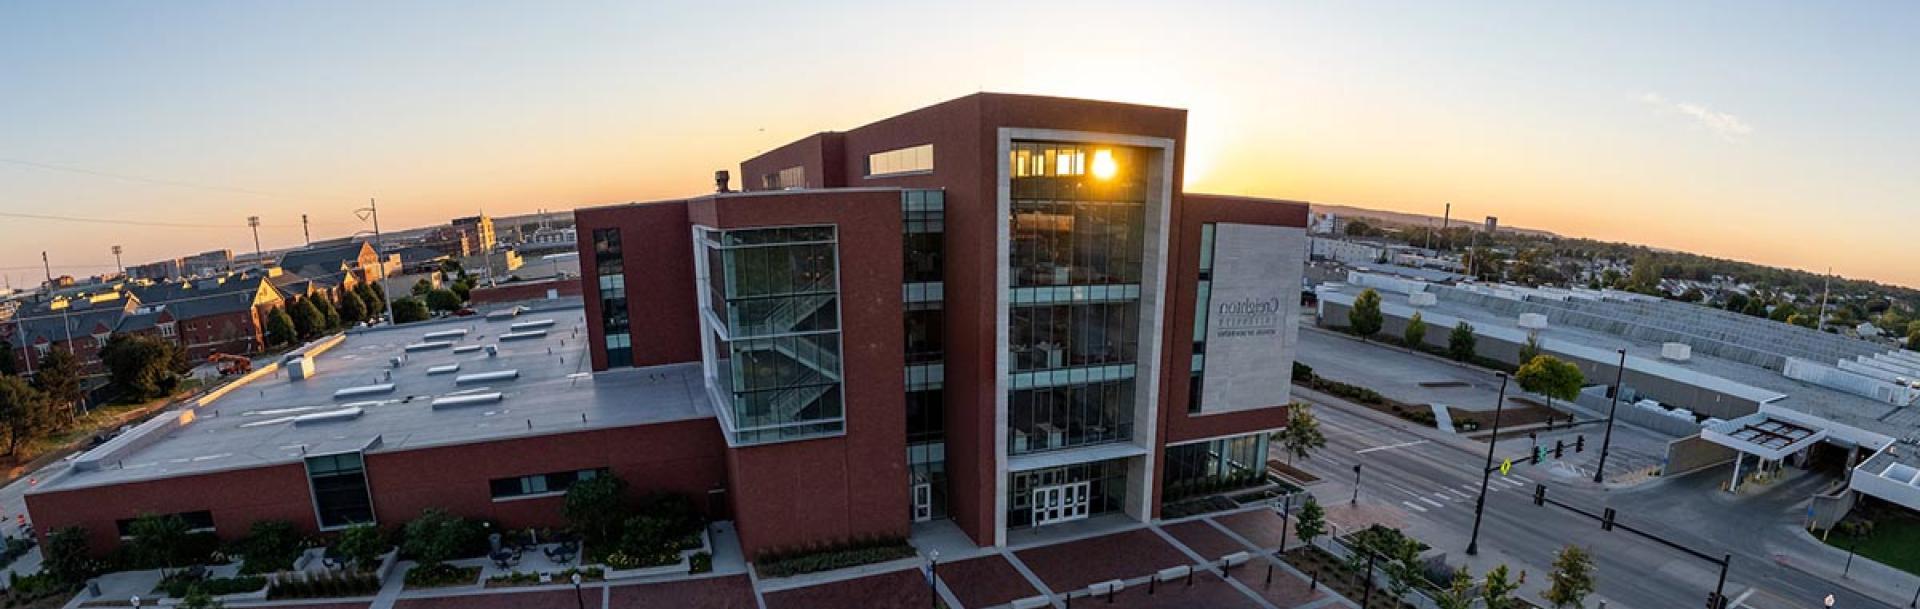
pixel 1269 575
pixel 1110 592
pixel 1189 578
pixel 1315 586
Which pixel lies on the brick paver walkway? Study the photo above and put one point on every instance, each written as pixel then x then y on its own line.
pixel 733 592
pixel 1075 565
pixel 1203 539
pixel 1262 527
pixel 1208 591
pixel 545 599
pixel 986 581
pixel 906 588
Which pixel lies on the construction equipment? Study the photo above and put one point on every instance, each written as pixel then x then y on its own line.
pixel 230 365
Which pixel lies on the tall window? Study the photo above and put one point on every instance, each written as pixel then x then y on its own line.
pixel 912 159
pixel 610 269
pixel 340 494
pixel 773 317
pixel 1202 311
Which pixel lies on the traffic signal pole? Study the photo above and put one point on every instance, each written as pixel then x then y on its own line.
pixel 1606 442
pixel 1486 473
pixel 1607 523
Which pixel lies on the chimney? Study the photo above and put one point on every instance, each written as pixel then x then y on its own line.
pixel 720 180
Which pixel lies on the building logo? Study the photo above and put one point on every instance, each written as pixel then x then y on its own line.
pixel 1248 317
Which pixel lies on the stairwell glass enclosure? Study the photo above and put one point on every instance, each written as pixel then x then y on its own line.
pixel 772 317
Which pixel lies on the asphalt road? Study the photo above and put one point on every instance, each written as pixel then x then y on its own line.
pixel 1434 481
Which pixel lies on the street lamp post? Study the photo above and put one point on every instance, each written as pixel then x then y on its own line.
pixel 578 600
pixel 1619 376
pixel 933 578
pixel 136 601
pixel 1285 512
pixel 1486 473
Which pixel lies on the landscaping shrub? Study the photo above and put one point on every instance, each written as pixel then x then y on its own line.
pixel 437 536
pixel 363 544
pixel 327 585
pixel 441 575
pixel 838 556
pixel 270 546
pixel 180 588
pixel 701 562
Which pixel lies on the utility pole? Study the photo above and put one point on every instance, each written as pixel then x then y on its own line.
pixel 1486 473
pixel 1446 221
pixel 1606 442
pixel 259 258
pixel 304 231
pixel 116 261
pixel 372 210
pixel 1825 289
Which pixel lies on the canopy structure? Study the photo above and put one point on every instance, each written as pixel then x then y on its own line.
pixel 1770 439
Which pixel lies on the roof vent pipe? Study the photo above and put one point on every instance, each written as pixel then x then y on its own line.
pixel 721 181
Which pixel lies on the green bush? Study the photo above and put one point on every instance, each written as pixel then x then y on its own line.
pixel 270 546
pixel 701 562
pixel 437 536
pixel 827 558
pixel 1302 373
pixel 326 585
pixel 441 575
pixel 363 544
pixel 180 588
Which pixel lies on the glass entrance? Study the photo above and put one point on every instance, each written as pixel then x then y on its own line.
pixel 1063 503
pixel 922 502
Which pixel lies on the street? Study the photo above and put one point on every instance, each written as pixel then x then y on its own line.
pixel 1433 479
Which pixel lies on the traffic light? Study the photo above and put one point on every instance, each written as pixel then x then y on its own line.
pixel 1539 453
pixel 1539 494
pixel 1606 520
pixel 1559 448
pixel 1580 444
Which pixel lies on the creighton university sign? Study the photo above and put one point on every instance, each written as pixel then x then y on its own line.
pixel 1252 316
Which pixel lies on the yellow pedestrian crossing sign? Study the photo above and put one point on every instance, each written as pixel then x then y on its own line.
pixel 1506 466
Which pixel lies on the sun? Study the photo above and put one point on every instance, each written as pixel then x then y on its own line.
pixel 1103 165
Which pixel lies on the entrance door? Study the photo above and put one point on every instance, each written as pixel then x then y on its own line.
pixel 1063 503
pixel 922 502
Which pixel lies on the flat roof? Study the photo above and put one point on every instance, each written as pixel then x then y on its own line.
pixel 553 392
pixel 1728 377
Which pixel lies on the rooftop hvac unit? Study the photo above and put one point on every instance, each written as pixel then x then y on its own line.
pixel 1533 321
pixel 471 399
pixel 466 348
pixel 363 390
pixel 1422 299
pixel 1678 352
pixel 483 377
pixel 444 335
pixel 300 368
pixel 523 335
pixel 330 416
pixel 428 346
pixel 530 325
pixel 447 369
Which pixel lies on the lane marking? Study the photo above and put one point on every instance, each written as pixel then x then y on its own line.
pixel 1431 502
pixel 1523 478
pixel 1389 447
pixel 1445 496
pixel 1461 494
pixel 1413 507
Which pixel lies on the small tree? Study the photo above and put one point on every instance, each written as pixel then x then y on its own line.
pixel 59 378
pixel 1365 317
pixel 328 314
pixel 1459 593
pixel 157 540
pixel 23 412
pixel 1529 349
pixel 421 287
pixel 596 508
pixel 1460 343
pixel 307 319
pixel 1913 341
pixel 363 544
pixel 66 556
pixel 375 303
pixel 443 300
pixel 1416 332
pixel 198 599
pixel 1311 522
pixel 1498 591
pixel 280 329
pixel 9 359
pixel 140 366
pixel 463 288
pixel 407 310
pixel 1549 376
pixel 437 536
pixel 1572 578
pixel 1302 434
pixel 352 309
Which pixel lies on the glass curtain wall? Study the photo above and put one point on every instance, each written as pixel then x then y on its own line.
pixel 1202 311
pixel 776 292
pixel 610 270
pixel 923 215
pixel 1214 465
pixel 1078 231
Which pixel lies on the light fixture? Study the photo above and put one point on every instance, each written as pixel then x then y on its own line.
pixel 1103 165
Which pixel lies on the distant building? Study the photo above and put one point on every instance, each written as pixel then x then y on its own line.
pixel 211 262
pixel 478 228
pixel 163 270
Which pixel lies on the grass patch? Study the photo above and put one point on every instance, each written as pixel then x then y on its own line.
pixel 1894 540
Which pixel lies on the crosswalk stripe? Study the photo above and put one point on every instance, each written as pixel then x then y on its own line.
pixel 1523 478
pixel 1413 507
pixel 1462 495
pixel 1445 496
pixel 1431 502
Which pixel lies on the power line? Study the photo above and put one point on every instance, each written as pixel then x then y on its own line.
pixel 160 181
pixel 162 224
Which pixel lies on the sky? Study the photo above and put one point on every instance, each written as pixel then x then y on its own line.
pixel 1773 132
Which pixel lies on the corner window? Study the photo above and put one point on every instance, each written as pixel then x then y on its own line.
pixel 340 495
pixel 912 159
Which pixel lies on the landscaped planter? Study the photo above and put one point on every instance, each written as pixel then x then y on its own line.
pixel 679 568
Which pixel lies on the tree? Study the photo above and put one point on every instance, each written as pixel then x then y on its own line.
pixel 1365 317
pixel 596 507
pixel 1913 341
pixel 1784 312
pixel 157 540
pixel 463 288
pixel 1531 348
pixel 1302 434
pixel 1571 579
pixel 1311 522
pixel 198 599
pixel 307 320
pixel 1416 332
pixel 1357 228
pixel 363 544
pixel 1737 302
pixel 1550 376
pixel 1756 308
pixel 437 536
pixel 59 378
pixel 1459 593
pixel 1645 275
pixel 352 309
pixel 1498 591
pixel 409 310
pixel 379 291
pixel 1801 319
pixel 421 287
pixel 328 314
pixel 66 556
pixel 1460 344
pixel 23 412
pixel 443 299
pixel 375 303
pixel 280 329
pixel 140 366
pixel 9 362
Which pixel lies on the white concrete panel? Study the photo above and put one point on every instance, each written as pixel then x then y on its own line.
pixel 1253 324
